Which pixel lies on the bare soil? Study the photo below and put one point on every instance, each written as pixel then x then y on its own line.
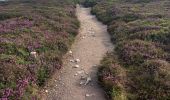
pixel 90 46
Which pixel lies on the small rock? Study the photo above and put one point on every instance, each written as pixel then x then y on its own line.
pixel 76 66
pixel 83 77
pixel 56 85
pixel 80 72
pixel 70 52
pixel 46 91
pixel 95 66
pixel 34 54
pixel 81 83
pixel 88 95
pixel 75 74
pixel 77 60
pixel 87 80
pixel 83 37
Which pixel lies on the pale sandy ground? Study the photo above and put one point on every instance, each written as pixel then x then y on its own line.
pixel 90 46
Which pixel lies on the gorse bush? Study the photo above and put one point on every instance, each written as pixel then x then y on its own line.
pixel 46 28
pixel 139 67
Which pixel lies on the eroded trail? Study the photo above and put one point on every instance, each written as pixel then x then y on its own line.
pixel 90 46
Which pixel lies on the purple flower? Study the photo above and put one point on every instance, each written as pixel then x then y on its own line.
pixel 15 24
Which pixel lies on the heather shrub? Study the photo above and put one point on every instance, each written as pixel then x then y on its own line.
pixel 89 3
pixel 151 80
pixel 136 52
pixel 140 31
pixel 103 12
pixel 4 16
pixel 112 77
pixel 47 28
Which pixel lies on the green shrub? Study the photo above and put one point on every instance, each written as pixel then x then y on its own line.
pixel 152 80
pixel 89 3
pixel 113 77
pixel 42 76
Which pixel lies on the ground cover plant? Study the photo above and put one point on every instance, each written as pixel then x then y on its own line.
pixel 34 35
pixel 138 68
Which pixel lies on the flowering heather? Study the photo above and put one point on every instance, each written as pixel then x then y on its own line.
pixel 140 30
pixel 44 27
pixel 15 24
pixel 19 90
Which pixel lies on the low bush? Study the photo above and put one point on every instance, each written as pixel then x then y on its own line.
pixel 113 78
pixel 152 80
pixel 137 51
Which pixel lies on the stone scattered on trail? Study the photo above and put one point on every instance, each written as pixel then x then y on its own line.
pixel 46 91
pixel 76 66
pixel 71 60
pixel 88 80
pixel 89 95
pixel 70 52
pixel 77 60
pixel 81 83
pixel 83 77
pixel 75 74
pixel 83 37
pixel 80 72
pixel 94 65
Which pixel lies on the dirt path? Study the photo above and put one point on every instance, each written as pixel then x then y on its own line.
pixel 90 46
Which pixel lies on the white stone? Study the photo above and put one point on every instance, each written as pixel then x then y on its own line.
pixel 75 74
pixel 87 95
pixel 80 72
pixel 76 66
pixel 70 52
pixel 34 54
pixel 46 91
pixel 88 80
pixel 81 83
pixel 83 77
pixel 77 60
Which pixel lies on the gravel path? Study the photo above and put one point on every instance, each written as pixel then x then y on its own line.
pixel 77 80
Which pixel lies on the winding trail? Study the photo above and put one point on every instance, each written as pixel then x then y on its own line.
pixel 90 46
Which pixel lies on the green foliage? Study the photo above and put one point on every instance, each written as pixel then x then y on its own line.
pixel 42 76
pixel 89 3
pixel 112 77
pixel 4 16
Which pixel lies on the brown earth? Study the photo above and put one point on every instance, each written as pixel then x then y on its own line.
pixel 90 46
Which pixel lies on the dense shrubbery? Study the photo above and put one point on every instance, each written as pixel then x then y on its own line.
pixel 140 29
pixel 136 52
pixel 45 27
